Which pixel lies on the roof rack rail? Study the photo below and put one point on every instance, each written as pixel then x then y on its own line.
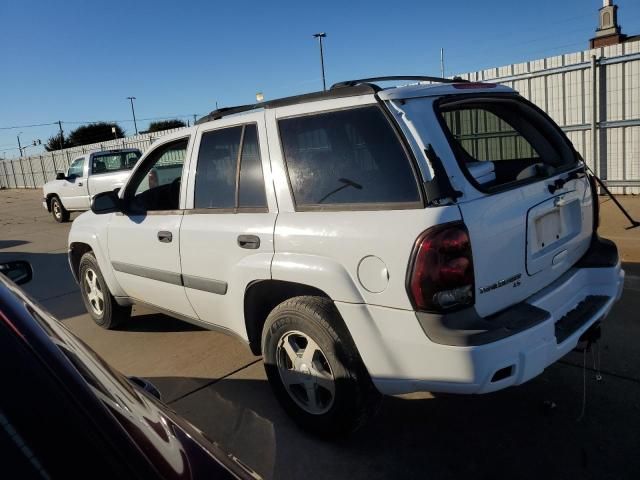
pixel 355 90
pixel 224 111
pixel 420 78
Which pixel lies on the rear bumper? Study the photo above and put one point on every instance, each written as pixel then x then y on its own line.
pixel 401 358
pixel 45 204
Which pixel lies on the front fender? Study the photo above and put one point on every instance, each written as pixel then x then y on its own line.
pixel 91 230
pixel 316 271
pixel 51 188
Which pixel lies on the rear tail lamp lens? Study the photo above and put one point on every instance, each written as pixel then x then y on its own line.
pixel 441 274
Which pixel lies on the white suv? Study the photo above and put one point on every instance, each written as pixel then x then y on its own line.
pixel 432 237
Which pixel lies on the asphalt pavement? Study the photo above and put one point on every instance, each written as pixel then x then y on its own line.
pixel 563 424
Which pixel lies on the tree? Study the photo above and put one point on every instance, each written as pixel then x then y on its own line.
pixel 165 125
pixel 56 142
pixel 94 133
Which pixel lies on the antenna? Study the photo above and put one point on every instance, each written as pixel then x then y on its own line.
pixel 442 62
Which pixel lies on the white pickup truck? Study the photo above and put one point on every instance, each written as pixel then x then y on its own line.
pixel 88 175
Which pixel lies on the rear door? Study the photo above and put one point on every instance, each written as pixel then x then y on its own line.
pixel 530 213
pixel 226 237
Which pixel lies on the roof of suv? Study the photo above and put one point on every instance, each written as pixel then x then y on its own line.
pixel 436 87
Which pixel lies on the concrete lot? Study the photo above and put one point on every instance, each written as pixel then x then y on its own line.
pixel 531 431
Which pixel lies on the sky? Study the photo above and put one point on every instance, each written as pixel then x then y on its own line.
pixel 78 61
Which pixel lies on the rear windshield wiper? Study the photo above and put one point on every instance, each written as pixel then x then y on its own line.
pixel 560 182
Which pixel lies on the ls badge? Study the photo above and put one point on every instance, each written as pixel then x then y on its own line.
pixel 501 283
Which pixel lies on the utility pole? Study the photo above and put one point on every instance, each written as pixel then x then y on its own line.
pixel 61 134
pixel 320 36
pixel 135 125
pixel 194 118
pixel 442 62
pixel 19 145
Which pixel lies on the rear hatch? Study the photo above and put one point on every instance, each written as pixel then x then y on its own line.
pixel 529 213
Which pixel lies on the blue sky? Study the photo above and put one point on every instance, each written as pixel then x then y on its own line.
pixel 77 61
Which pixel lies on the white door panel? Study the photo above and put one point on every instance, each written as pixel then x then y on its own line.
pixel 147 268
pixel 216 269
pixel 74 192
pixel 145 247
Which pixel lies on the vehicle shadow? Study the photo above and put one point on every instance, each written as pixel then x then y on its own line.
pixel 156 322
pixel 532 431
pixel 12 243
pixel 53 285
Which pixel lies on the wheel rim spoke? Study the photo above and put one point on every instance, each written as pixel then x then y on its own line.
pixel 292 377
pixel 288 348
pixel 309 351
pixel 310 389
pixel 323 380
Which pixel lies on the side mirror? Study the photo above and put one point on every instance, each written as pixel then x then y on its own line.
pixel 60 176
pixel 106 202
pixel 19 271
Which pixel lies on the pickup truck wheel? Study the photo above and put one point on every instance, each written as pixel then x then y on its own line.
pixel 314 368
pixel 60 214
pixel 98 301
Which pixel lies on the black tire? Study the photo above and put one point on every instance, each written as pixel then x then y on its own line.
pixel 107 314
pixel 355 398
pixel 59 213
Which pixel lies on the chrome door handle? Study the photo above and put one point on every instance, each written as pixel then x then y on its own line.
pixel 165 237
pixel 251 242
pixel 79 184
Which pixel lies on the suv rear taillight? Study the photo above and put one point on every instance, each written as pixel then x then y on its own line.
pixel 440 275
pixel 595 201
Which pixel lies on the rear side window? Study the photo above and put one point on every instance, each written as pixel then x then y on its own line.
pixel 216 172
pixel 229 171
pixel 347 157
pixel 113 162
pixel 502 141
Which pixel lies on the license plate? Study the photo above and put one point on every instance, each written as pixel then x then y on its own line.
pixel 548 229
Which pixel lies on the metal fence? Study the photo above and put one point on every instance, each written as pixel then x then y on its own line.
pixel 36 170
pixel 605 131
pixel 594 95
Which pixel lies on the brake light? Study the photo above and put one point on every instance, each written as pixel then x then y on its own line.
pixel 441 274
pixel 595 201
pixel 473 85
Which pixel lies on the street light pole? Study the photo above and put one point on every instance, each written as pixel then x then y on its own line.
pixel 135 125
pixel 320 36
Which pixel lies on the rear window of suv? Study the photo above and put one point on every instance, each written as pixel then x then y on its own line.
pixel 504 141
pixel 347 157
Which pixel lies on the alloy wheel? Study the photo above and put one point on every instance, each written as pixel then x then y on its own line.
pixel 94 292
pixel 305 372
